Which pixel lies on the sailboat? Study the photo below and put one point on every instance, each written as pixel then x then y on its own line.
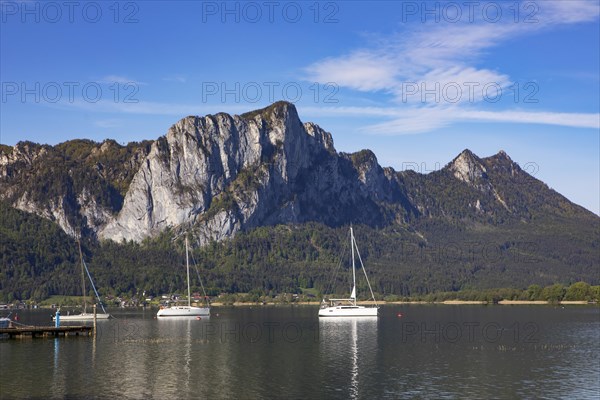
pixel 184 311
pixel 84 316
pixel 348 307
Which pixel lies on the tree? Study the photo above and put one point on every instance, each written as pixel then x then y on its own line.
pixel 554 293
pixel 579 291
pixel 595 291
pixel 534 292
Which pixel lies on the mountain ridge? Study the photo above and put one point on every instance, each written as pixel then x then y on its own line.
pixel 220 174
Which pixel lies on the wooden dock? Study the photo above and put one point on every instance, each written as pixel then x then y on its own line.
pixel 46 331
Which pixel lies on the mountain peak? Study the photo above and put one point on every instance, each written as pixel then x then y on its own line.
pixel 502 163
pixel 466 153
pixel 467 167
pixel 502 156
pixel 502 153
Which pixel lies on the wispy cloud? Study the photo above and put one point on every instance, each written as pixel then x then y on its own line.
pixel 446 55
pixel 175 78
pixel 362 70
pixel 108 123
pixel 411 120
pixel 568 12
pixel 153 108
pixel 123 80
pixel 428 119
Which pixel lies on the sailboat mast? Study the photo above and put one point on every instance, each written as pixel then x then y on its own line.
pixel 82 277
pixel 187 263
pixel 353 294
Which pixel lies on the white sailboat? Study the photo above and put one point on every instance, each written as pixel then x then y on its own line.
pixel 184 311
pixel 348 307
pixel 84 316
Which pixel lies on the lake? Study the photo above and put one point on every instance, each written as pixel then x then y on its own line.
pixel 410 351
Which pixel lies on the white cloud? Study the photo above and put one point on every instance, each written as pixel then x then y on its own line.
pixel 363 70
pixel 452 85
pixel 421 70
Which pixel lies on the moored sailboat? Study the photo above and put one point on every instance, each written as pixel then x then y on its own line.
pixel 348 307
pixel 184 311
pixel 84 316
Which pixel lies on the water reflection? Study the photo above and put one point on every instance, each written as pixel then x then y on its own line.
pixel 94 339
pixel 54 385
pixel 179 328
pixel 56 350
pixel 346 345
pixel 354 380
pixel 289 353
pixel 168 356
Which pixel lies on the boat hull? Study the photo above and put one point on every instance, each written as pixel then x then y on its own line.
pixel 183 311
pixel 348 311
pixel 82 317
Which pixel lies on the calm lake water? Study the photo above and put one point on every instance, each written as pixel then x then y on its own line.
pixel 412 351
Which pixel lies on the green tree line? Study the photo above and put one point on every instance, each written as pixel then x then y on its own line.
pixel 39 260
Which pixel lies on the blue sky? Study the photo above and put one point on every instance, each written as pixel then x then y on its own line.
pixel 416 82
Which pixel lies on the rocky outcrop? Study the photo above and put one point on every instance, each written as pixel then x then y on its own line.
pixel 20 156
pixel 468 168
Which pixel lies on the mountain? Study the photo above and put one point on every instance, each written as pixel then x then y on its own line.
pixel 223 173
pixel 223 177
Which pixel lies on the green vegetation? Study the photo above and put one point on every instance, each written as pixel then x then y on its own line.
pixel 4 149
pixel 66 301
pixel 37 258
pixel 580 291
pixel 246 182
pixel 222 202
pixel 248 179
pixel 267 112
pixel 362 157
pixel 38 261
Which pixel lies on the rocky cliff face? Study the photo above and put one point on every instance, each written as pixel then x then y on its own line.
pixel 220 174
pixel 224 173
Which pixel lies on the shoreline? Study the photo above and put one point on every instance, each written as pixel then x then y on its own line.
pixel 564 302
pixel 218 304
pixel 445 302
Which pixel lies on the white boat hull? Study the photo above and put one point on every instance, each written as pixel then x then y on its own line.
pixel 82 317
pixel 348 311
pixel 183 311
